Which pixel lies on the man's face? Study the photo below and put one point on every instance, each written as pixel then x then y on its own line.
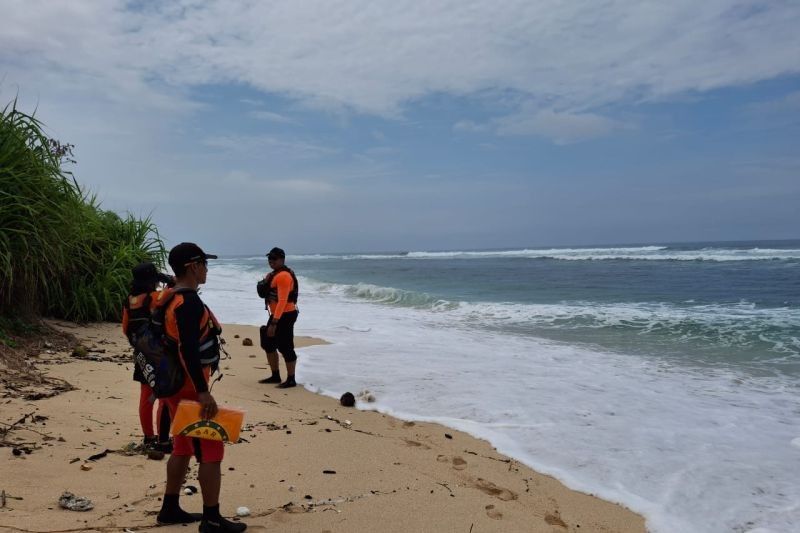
pixel 275 261
pixel 200 269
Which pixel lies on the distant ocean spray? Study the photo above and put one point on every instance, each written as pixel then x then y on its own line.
pixel 664 377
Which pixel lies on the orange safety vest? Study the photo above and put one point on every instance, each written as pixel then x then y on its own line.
pixel 209 328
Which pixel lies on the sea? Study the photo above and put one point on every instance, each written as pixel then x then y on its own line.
pixel 665 377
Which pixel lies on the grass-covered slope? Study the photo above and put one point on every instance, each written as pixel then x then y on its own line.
pixel 60 254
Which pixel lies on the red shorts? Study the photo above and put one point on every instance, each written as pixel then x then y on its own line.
pixel 205 450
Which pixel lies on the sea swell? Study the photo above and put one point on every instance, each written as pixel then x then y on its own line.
pixel 638 253
pixel 738 332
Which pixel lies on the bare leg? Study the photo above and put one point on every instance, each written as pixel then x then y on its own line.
pixel 210 477
pixel 177 467
pixel 272 359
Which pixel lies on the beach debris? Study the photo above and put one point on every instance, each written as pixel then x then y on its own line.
pixel 291 488
pixel 329 471
pixel 242 511
pixel 75 503
pixel 189 490
pixel 347 423
pixel 366 396
pixel 247 341
pixel 80 351
pixel 132 448
pixel 16 451
pixel 236 336
pixel 4 497
pixel 347 399
pixel 448 436
pixel 85 467
pixel 97 456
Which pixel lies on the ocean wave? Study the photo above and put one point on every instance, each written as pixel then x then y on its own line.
pixel 639 253
pixel 739 325
pixel 396 297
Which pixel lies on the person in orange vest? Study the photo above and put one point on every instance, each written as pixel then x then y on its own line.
pixel 191 330
pixel 278 334
pixel 135 314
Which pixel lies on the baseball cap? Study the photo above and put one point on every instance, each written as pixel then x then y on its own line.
pixel 276 252
pixel 185 253
pixel 145 272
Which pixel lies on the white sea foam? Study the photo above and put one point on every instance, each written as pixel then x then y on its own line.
pixel 737 324
pixel 695 450
pixel 639 253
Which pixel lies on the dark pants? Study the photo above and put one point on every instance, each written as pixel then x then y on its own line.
pixel 283 341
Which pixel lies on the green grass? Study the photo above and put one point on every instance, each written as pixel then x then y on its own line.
pixel 60 254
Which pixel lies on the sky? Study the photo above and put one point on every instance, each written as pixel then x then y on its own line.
pixel 333 126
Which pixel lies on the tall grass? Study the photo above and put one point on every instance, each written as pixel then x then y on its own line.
pixel 60 254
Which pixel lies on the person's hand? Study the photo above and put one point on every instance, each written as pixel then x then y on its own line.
pixel 271 329
pixel 208 409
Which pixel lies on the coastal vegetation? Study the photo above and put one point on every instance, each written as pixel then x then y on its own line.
pixel 61 255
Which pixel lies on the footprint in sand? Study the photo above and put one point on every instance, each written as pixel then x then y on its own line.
pixel 555 520
pixel 459 463
pixel 416 444
pixel 493 513
pixel 491 489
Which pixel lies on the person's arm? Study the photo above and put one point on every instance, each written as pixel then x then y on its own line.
pixel 283 282
pixel 188 316
pixel 125 320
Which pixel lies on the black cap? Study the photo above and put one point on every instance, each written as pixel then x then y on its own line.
pixel 145 273
pixel 145 276
pixel 276 252
pixel 185 253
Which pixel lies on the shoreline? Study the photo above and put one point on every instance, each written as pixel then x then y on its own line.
pixel 281 469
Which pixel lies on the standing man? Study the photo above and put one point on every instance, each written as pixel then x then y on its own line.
pixel 191 328
pixel 278 334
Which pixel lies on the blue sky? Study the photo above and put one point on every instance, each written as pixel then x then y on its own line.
pixel 373 126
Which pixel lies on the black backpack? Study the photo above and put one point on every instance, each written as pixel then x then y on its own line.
pixel 156 355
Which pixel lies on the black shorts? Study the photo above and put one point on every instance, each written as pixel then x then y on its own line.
pixel 283 341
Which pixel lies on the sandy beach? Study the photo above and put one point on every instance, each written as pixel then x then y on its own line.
pixel 304 462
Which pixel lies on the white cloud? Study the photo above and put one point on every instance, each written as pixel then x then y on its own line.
pixel 243 180
pixel 789 103
pixel 271 117
pixel 265 145
pixel 375 57
pixel 469 126
pixel 561 127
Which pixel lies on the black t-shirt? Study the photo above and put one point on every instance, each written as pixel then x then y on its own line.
pixel 188 315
